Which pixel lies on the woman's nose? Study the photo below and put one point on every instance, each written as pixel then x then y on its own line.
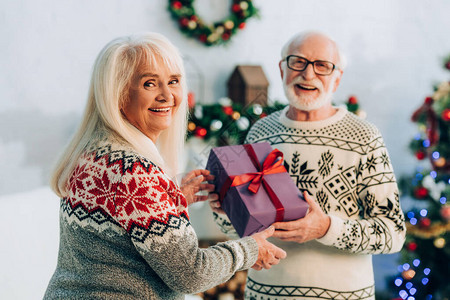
pixel 165 95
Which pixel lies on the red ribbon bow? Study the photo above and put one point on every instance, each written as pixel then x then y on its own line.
pixel 271 165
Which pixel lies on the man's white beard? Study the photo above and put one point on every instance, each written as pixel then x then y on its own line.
pixel 304 102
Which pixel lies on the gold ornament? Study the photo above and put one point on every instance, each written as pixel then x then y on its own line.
pixel 243 5
pixel 191 126
pixel 192 25
pixel 408 274
pixel 229 24
pixel 440 162
pixel 439 243
pixel 236 115
pixel 220 30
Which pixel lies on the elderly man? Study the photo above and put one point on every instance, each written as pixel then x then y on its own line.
pixel 341 164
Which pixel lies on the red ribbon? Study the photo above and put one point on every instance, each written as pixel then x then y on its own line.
pixel 271 165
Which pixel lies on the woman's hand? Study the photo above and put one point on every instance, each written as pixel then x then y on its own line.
pixel 268 254
pixel 194 182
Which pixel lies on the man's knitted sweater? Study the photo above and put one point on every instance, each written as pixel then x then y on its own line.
pixel 125 234
pixel 342 161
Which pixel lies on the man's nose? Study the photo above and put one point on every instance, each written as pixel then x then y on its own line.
pixel 309 73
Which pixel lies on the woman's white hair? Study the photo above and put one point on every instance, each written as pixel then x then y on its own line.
pixel 299 37
pixel 114 67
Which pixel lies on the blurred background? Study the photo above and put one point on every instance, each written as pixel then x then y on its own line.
pixel 395 51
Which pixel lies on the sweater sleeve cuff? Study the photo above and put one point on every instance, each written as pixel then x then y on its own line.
pixel 253 252
pixel 336 226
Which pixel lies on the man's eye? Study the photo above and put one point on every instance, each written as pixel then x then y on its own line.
pixel 173 81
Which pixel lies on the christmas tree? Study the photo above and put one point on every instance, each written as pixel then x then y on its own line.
pixel 425 258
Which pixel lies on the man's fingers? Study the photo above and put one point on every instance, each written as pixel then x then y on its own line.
pixel 284 234
pixel 290 225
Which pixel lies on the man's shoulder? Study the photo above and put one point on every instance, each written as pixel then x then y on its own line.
pixel 363 128
pixel 272 119
pixel 265 127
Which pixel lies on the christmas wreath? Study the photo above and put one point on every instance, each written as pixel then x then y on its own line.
pixel 218 33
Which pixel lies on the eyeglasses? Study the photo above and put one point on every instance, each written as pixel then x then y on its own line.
pixel 321 67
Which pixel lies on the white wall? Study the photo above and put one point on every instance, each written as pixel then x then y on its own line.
pixel 394 49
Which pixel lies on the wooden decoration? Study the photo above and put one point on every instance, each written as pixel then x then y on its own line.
pixel 248 85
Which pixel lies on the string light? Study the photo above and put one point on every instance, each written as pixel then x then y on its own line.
pixel 409 285
pixel 435 155
pixel 410 214
pixel 433 174
pixel 426 271
pixel 403 294
pixel 443 200
pixel 423 212
pixel 412 291
pixel 406 267
pixel 425 281
pixel 398 282
pixel 413 221
pixel 416 262
pixel 426 143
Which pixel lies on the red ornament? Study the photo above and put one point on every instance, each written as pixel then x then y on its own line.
pixel 411 246
pixel 445 213
pixel 228 110
pixel 177 5
pixel 421 193
pixel 203 38
pixel 425 222
pixel 352 100
pixel 235 8
pixel 194 18
pixel 263 115
pixel 446 114
pixel 225 36
pixel 184 22
pixel 200 132
pixel 191 100
pixel 428 100
pixel 447 65
pixel 242 25
pixel 420 155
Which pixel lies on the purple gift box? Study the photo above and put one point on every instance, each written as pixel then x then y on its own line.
pixel 249 212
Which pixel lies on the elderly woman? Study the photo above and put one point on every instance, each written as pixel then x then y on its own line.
pixel 125 231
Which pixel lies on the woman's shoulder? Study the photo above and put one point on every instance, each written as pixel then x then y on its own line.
pixel 121 156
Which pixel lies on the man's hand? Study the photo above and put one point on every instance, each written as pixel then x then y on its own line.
pixel 313 226
pixel 194 182
pixel 268 254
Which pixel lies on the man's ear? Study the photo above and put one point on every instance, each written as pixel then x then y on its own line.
pixel 281 69
pixel 337 80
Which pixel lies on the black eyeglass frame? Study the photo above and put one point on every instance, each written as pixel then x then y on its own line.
pixel 308 62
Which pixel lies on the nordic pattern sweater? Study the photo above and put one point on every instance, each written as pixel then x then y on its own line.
pixel 343 162
pixel 125 234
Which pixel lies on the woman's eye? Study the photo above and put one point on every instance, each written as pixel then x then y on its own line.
pixel 173 81
pixel 149 84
